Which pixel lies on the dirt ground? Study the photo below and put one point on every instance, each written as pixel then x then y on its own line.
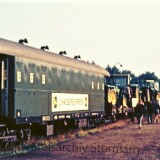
pixel 120 140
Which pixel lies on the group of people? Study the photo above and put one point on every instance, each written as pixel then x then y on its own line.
pixel 149 109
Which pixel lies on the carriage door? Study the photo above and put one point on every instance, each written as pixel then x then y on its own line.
pixel 4 87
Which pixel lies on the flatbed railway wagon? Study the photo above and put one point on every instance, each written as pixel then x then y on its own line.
pixel 48 89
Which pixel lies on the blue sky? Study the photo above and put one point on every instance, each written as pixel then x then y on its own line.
pixel 102 31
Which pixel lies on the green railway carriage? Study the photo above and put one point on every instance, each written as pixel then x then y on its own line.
pixel 38 86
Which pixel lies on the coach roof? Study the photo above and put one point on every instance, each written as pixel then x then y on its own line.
pixel 20 50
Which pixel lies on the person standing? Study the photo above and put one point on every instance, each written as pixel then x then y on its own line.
pixel 139 111
pixel 156 107
pixel 150 111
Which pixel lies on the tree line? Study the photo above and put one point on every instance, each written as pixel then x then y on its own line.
pixel 134 79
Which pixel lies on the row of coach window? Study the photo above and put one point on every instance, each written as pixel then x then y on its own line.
pixel 94 85
pixel 31 77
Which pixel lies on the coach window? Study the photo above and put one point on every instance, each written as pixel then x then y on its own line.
pixel 43 79
pixel 102 86
pixel 92 85
pixel 19 76
pixel 31 77
pixel 98 85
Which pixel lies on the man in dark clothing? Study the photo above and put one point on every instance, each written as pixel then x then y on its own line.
pixel 156 108
pixel 150 110
pixel 139 111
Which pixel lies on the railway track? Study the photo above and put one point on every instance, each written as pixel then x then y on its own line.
pixel 9 145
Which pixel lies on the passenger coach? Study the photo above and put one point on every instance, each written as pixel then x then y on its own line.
pixel 38 86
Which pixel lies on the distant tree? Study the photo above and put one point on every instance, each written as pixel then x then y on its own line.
pixel 113 70
pixel 148 76
pixel 126 72
pixel 109 69
pixel 134 80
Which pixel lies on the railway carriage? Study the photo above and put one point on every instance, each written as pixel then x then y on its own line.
pixel 40 87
